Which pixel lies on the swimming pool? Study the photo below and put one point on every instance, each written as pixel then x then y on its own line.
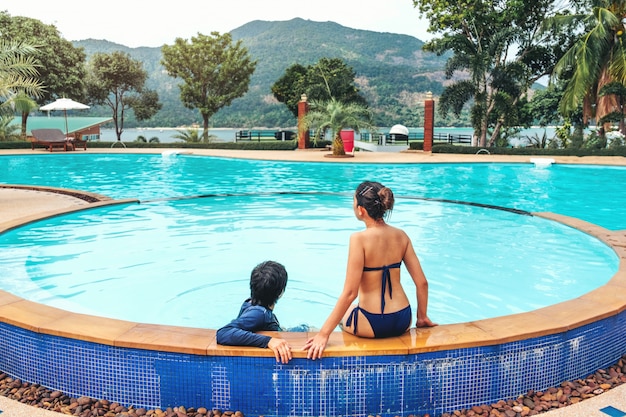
pixel 425 371
pixel 162 261
pixel 591 193
pixel 195 236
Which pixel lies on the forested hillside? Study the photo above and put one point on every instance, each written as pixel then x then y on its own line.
pixel 393 72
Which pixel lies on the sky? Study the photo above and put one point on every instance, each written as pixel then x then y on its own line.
pixel 136 23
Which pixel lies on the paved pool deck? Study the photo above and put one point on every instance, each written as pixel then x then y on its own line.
pixel 20 204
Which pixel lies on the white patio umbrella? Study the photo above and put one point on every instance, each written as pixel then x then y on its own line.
pixel 64 104
pixel 399 129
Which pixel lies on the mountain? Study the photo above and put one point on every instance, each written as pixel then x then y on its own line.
pixel 392 72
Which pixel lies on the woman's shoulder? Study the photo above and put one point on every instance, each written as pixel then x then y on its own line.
pixel 397 231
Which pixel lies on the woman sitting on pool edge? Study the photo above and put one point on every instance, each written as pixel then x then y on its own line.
pixel 373 273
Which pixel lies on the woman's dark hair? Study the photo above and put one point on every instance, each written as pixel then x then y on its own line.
pixel 267 283
pixel 375 198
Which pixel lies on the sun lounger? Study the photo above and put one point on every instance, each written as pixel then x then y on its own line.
pixel 77 142
pixel 54 138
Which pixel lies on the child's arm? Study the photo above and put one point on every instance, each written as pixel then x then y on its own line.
pixel 240 332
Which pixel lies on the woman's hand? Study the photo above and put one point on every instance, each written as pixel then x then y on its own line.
pixel 424 322
pixel 281 349
pixel 315 346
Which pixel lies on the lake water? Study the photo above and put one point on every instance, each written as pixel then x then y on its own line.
pixel 166 135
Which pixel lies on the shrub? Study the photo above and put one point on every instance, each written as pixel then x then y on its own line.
pixel 446 148
pixel 262 146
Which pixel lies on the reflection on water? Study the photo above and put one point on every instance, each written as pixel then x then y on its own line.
pixel 187 262
pixel 199 251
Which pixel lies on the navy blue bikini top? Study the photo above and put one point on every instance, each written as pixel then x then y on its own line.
pixel 386 280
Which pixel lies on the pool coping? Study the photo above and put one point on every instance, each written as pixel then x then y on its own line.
pixel 605 301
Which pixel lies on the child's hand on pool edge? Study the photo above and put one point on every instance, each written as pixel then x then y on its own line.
pixel 281 349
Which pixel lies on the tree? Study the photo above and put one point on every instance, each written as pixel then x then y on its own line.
pixel 8 131
pixel 289 88
pixel 214 71
pixel 501 52
pixel 597 59
pixel 145 105
pixel 24 104
pixel 335 116
pixel 117 81
pixel 192 136
pixel 60 65
pixel 18 80
pixel 618 91
pixel 328 78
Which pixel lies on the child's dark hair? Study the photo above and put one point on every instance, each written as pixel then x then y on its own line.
pixel 267 283
pixel 375 198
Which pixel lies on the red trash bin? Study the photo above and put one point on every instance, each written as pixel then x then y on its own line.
pixel 347 136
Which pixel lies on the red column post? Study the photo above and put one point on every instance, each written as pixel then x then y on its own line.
pixel 303 132
pixel 429 122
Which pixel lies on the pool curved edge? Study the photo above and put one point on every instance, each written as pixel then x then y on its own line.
pixel 432 370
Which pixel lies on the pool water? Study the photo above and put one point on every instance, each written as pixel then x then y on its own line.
pixel 592 193
pixel 183 256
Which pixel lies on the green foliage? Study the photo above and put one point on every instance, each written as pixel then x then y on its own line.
pixel 289 88
pixel 193 136
pixel 18 71
pixel 544 106
pixel 327 79
pixel 145 105
pixel 60 65
pixel 214 71
pixel 416 146
pixel 8 132
pixel 472 150
pixel 276 145
pixel 537 141
pixel 495 44
pixel 334 116
pixel 392 72
pixel 597 58
pixel 117 81
pixel 17 144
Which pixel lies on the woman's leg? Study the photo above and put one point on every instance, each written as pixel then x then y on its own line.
pixel 354 318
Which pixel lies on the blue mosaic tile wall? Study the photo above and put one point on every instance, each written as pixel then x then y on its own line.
pixel 432 383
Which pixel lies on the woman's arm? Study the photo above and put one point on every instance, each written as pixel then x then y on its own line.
pixel 316 345
pixel 414 267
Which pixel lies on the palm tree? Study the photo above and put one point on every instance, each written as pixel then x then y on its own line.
pixel 24 104
pixel 335 116
pixel 193 136
pixel 596 59
pixel 18 82
pixel 8 131
pixel 18 71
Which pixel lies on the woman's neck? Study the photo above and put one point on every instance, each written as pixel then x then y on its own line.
pixel 369 223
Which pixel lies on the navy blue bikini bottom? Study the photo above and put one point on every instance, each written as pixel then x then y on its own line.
pixel 383 325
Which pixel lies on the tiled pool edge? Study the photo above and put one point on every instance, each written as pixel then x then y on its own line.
pixel 427 370
pixel 387 385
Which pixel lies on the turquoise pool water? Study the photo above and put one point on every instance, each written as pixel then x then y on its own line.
pixel 176 259
pixel 592 193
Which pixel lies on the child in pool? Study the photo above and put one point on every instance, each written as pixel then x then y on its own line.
pixel 267 284
pixel 373 273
